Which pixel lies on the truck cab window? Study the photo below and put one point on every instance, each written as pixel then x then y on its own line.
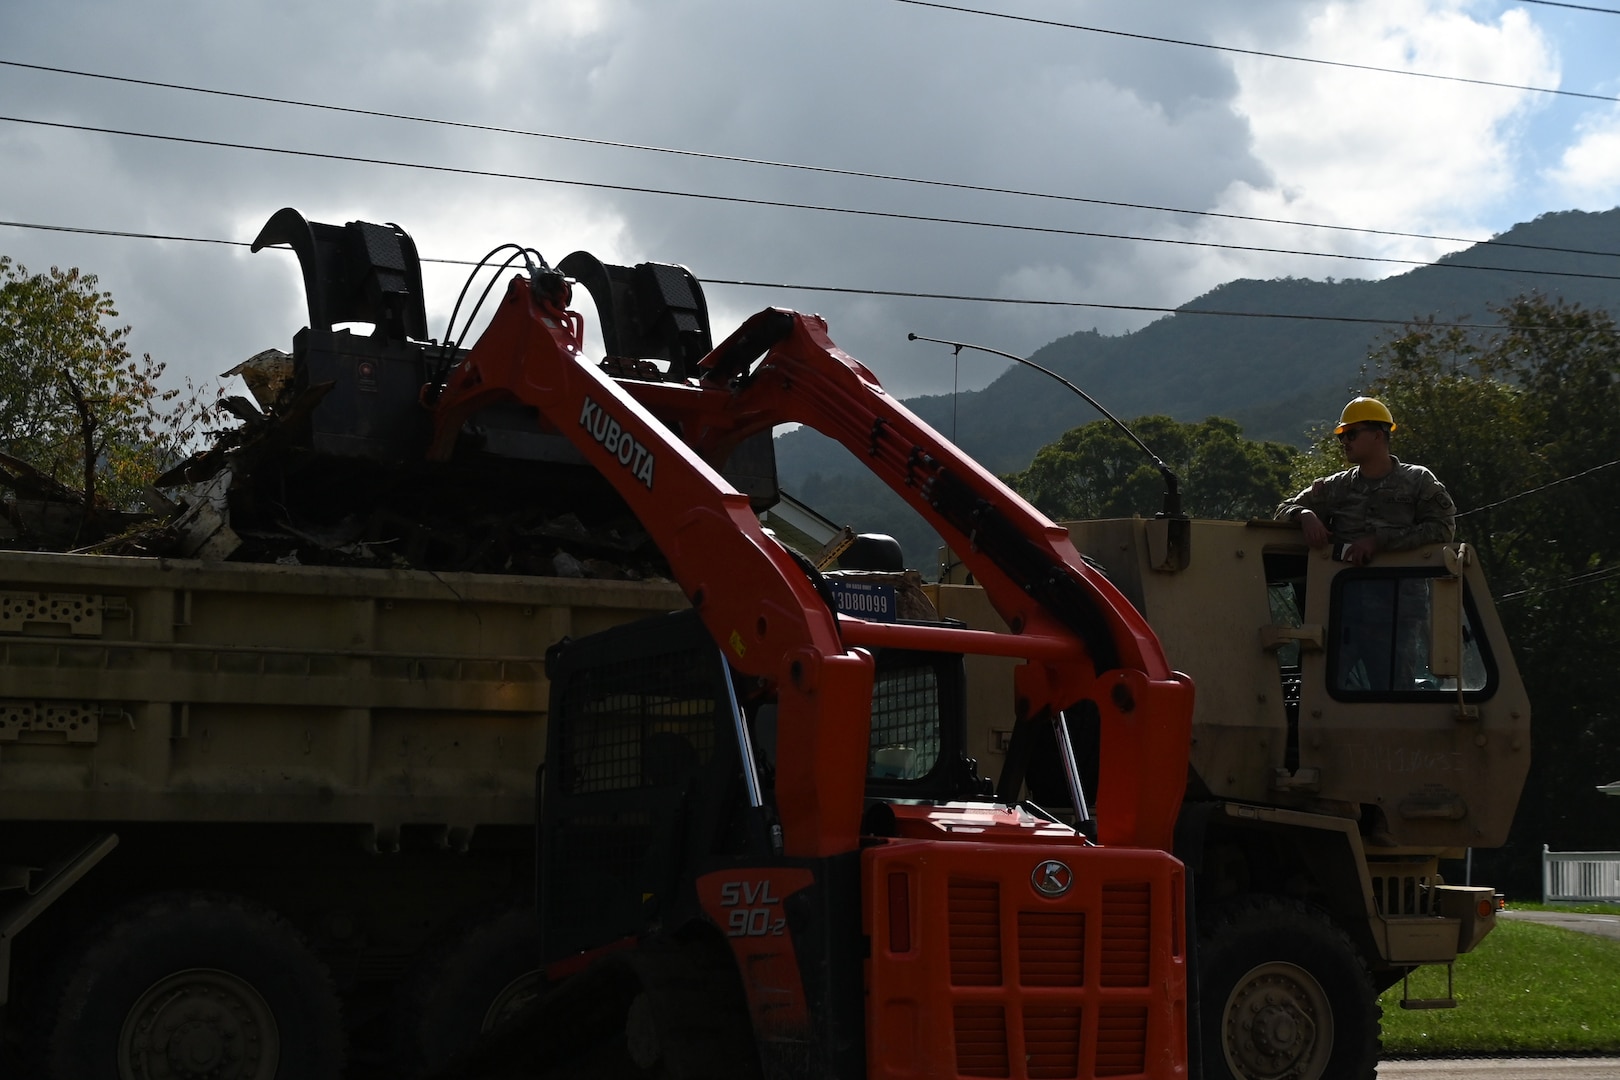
pixel 1286 599
pixel 1380 637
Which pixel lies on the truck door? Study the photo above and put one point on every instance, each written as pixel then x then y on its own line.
pixel 1412 708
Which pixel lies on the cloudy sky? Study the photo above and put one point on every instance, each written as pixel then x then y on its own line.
pixel 1156 123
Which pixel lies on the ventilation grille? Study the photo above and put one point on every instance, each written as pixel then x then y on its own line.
pixel 1050 955
pixel 1121 1040
pixel 1052 1042
pixel 981 1040
pixel 1405 894
pixel 1126 934
pixel 975 933
pixel 1052 948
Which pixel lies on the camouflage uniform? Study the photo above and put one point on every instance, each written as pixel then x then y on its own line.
pixel 1403 509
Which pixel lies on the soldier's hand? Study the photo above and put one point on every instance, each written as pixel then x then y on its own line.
pixel 1361 551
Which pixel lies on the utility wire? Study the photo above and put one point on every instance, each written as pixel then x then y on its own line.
pixel 1577 7
pixel 461 170
pixel 838 289
pixel 794 166
pixel 1260 53
pixel 967 298
pixel 1591 577
pixel 127 235
pixel 1543 487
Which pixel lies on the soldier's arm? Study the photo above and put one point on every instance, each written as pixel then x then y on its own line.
pixel 1316 498
pixel 1310 510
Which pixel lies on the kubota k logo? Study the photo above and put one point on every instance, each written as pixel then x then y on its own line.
pixel 1052 878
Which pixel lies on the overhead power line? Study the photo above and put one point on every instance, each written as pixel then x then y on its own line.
pixel 740 200
pixel 1577 7
pixel 787 165
pixel 1540 488
pixel 1591 577
pixel 839 289
pixel 1258 52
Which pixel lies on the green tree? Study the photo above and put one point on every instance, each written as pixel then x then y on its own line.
pixel 1097 471
pixel 1520 424
pixel 77 410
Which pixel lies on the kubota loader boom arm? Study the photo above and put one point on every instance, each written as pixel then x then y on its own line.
pixel 659 443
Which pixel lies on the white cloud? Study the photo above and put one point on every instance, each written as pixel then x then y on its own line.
pixel 1587 176
pixel 1386 151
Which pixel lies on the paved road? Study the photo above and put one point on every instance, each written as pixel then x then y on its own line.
pixel 1602 925
pixel 1503 1069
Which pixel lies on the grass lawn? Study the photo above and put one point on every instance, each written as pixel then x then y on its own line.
pixel 1527 987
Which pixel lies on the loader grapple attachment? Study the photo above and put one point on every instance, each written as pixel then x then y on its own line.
pixel 651 311
pixel 358 272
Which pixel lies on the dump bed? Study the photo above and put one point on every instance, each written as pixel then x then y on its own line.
pixel 166 690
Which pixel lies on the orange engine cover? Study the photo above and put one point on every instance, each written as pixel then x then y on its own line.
pixel 1024 960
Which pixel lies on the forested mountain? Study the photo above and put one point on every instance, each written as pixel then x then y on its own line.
pixel 1277 377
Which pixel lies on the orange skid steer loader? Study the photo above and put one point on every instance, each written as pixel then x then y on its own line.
pixel 764 849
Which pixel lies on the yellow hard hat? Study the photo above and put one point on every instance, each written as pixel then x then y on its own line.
pixel 1363 410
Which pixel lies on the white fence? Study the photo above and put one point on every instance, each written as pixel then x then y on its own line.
pixel 1584 876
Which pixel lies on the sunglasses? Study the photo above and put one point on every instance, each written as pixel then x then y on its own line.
pixel 1350 435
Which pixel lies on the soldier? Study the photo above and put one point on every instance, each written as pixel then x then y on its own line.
pixel 1380 503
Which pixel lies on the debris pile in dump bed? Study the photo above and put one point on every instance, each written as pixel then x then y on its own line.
pixel 329 464
pixel 260 494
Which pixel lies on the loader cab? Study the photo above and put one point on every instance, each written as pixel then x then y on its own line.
pixel 652 852
pixel 650 741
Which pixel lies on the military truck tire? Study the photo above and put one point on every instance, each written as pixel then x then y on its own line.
pixel 1284 995
pixel 193 985
pixel 478 975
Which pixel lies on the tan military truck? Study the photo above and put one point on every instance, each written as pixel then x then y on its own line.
pixel 1354 726
pixel 333 769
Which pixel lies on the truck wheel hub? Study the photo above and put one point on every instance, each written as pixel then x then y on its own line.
pixel 196 1048
pixel 1278 1029
pixel 1278 1025
pixel 199 1024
